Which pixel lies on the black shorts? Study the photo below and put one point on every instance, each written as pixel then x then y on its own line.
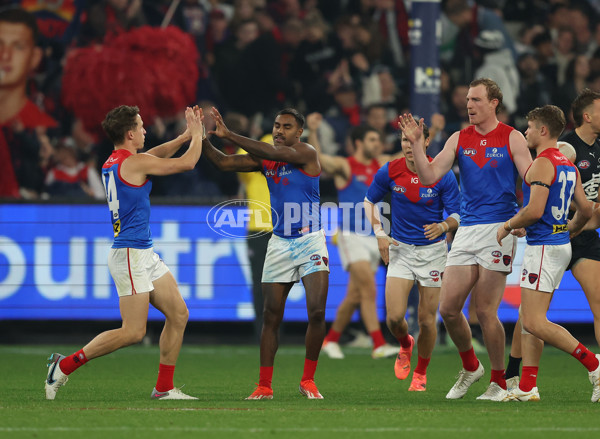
pixel 585 245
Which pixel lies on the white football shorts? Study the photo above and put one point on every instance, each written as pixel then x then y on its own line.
pixel 544 266
pixel 423 263
pixel 134 270
pixel 355 248
pixel 477 245
pixel 289 260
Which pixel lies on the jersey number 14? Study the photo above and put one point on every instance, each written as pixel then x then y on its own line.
pixel 110 188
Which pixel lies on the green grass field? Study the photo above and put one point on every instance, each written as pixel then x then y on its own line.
pixel 109 398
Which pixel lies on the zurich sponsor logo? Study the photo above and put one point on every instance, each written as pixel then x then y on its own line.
pixel 469 151
pixel 427 193
pixel 584 164
pixel 230 218
pixel 400 189
pixel 494 152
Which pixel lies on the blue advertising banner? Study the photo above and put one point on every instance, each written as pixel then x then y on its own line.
pixel 425 36
pixel 53 265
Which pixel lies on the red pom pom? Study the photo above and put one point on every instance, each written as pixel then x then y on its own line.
pixel 155 69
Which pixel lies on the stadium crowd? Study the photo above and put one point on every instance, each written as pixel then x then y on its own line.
pixel 347 60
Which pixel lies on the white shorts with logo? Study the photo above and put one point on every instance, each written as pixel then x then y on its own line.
pixel 355 248
pixel 477 245
pixel 134 270
pixel 423 263
pixel 544 266
pixel 289 260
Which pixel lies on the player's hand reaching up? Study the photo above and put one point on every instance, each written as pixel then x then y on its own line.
pixel 220 129
pixel 409 126
pixel 195 122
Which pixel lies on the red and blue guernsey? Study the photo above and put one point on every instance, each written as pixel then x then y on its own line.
pixel 129 205
pixel 295 199
pixel 488 176
pixel 413 204
pixel 353 194
pixel 551 228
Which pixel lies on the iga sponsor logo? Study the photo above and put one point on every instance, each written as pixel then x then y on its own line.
pixel 231 218
pixel 584 164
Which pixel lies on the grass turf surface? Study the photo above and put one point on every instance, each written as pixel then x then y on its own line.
pixel 109 397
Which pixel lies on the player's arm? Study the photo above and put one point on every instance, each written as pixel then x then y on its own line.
pixel 331 164
pixel 428 172
pixel 520 152
pixel 540 178
pixel 167 149
pixel 233 162
pixel 584 209
pixel 594 221
pixel 375 194
pixel 141 165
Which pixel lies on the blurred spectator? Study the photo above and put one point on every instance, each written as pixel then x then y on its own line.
pixel 498 65
pixel 565 52
pixel 380 116
pixel 576 77
pixel 544 47
pixel 19 117
pixel 106 18
pixel 534 89
pixel 579 21
pixel 71 177
pixel 391 17
pixel 457 116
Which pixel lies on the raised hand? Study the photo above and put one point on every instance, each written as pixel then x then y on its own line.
pixel 410 128
pixel 220 129
pixel 195 122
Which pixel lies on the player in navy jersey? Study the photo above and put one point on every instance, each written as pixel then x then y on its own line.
pixel 491 155
pixel 356 243
pixel 550 185
pixel 140 276
pixel 297 248
pixel 416 251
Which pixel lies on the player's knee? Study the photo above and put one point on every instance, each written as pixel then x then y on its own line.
pixel 395 321
pixel 316 315
pixel 449 313
pixel 270 316
pixel 135 335
pixel 427 321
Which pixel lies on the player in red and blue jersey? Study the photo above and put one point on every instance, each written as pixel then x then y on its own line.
pixel 490 157
pixel 297 248
pixel 550 184
pixel 140 276
pixel 357 245
pixel 417 252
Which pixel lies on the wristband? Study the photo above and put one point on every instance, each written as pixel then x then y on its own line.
pixel 444 223
pixel 379 231
pixel 507 223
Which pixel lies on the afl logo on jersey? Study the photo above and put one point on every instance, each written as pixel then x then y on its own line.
pixel 584 164
pixel 470 152
pixel 270 173
pixel 400 189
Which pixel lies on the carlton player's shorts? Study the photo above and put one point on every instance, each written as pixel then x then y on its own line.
pixel 134 270
pixel 289 260
pixel 544 266
pixel 477 245
pixel 355 248
pixel 423 263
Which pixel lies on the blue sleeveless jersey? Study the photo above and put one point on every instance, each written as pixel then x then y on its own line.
pixel 487 176
pixel 129 205
pixel 361 177
pixel 551 228
pixel 413 204
pixel 295 199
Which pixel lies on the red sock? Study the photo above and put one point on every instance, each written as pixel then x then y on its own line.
pixel 73 362
pixel 378 339
pixel 469 360
pixel 333 336
pixel 499 378
pixel 585 357
pixel 164 383
pixel 405 341
pixel 310 366
pixel 266 376
pixel 422 364
pixel 528 378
